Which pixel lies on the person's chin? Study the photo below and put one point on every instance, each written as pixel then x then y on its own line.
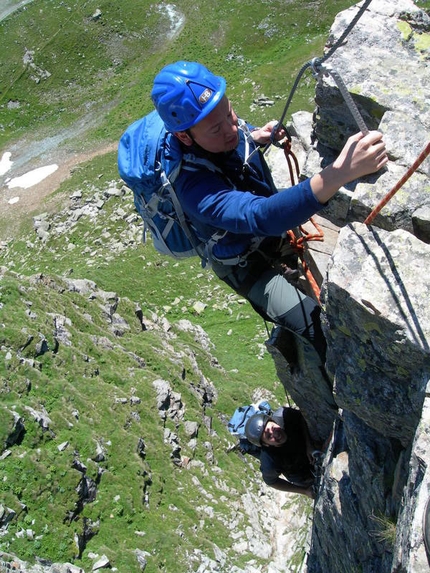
pixel 230 145
pixel 280 440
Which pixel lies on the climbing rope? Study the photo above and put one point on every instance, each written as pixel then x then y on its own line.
pixel 319 71
pixel 347 30
pixel 298 243
pixel 300 236
pixel 286 146
pixel 291 160
pixel 421 157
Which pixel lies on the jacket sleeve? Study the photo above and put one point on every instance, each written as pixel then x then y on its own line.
pixel 269 471
pixel 208 198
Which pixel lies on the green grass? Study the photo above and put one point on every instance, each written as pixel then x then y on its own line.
pixel 100 77
pixel 167 287
pixel 88 379
pixel 77 65
pixel 384 530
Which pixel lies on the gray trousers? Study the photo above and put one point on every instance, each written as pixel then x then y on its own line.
pixel 262 283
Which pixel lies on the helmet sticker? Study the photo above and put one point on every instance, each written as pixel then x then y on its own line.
pixel 205 96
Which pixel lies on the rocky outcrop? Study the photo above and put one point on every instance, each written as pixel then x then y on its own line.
pixel 185 431
pixel 376 477
pixel 384 64
pixel 369 512
pixel 299 369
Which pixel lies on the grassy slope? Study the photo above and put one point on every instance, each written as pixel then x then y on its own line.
pixel 106 66
pixel 88 378
pixel 102 70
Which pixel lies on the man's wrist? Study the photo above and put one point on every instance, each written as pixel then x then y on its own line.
pixel 255 134
pixel 327 182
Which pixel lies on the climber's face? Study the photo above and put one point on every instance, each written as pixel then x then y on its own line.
pixel 217 132
pixel 273 435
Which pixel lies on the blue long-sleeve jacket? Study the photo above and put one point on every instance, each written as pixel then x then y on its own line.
pixel 243 202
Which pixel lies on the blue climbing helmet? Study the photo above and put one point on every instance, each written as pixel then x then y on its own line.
pixel 184 93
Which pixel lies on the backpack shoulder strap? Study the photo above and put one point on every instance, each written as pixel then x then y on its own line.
pixel 193 163
pixel 168 187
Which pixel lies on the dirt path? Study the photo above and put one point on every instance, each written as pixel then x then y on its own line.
pixel 8 7
pixel 31 199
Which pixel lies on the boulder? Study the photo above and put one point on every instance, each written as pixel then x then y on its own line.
pixel 384 64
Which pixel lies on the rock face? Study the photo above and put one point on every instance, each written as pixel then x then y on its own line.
pixel 381 308
pixel 375 481
pixel 378 330
pixel 385 65
pixel 311 391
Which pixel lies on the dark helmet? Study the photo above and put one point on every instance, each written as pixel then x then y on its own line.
pixel 184 93
pixel 255 427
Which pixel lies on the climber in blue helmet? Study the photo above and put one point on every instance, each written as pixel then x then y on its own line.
pixel 234 193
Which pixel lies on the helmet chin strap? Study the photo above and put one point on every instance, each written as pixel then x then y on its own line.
pixel 195 144
pixel 190 135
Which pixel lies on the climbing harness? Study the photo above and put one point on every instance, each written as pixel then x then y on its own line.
pixel 421 157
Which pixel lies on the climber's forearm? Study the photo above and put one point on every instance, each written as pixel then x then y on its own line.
pixel 284 485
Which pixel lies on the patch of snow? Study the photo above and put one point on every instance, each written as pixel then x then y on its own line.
pixel 8 7
pixel 32 177
pixel 5 163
